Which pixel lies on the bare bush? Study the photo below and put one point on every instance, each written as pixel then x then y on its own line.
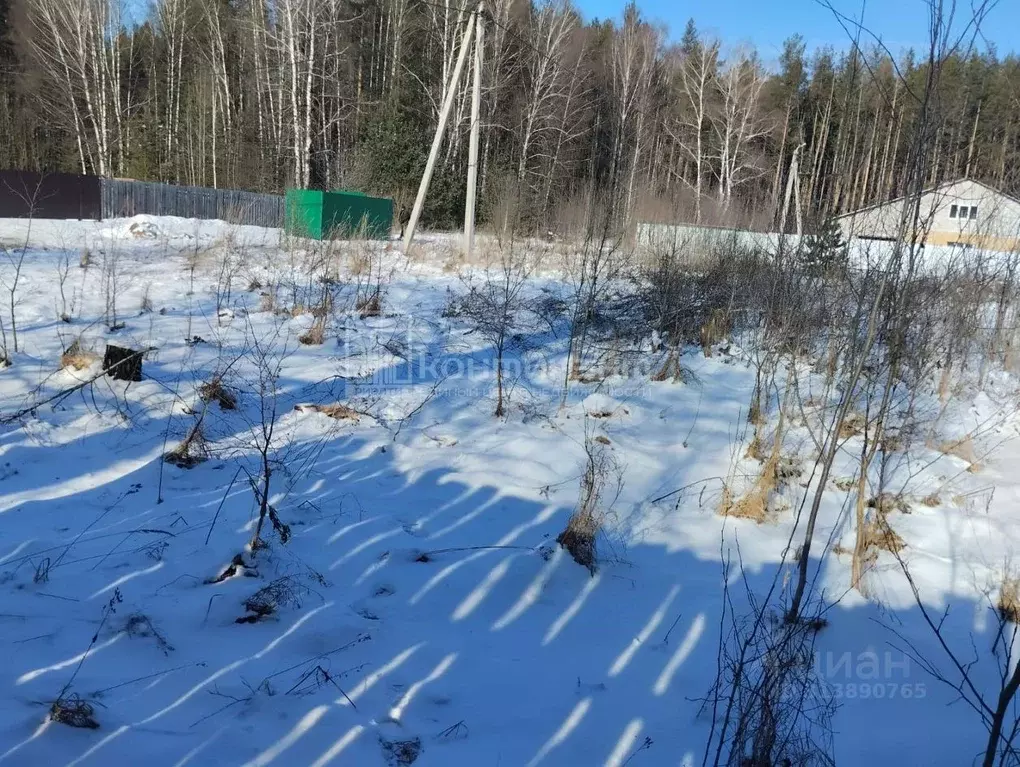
pixel 767 706
pixel 282 592
pixel 191 451
pixel 601 484
pixel 496 308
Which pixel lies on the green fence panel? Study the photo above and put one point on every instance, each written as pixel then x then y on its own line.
pixel 342 213
pixel 304 213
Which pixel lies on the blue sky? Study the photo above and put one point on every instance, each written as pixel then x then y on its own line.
pixel 766 23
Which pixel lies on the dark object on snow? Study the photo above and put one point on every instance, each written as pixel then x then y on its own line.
pixel 579 540
pixel 74 712
pixel 123 364
pixel 401 752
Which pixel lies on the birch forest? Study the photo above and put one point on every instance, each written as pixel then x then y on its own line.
pixel 267 94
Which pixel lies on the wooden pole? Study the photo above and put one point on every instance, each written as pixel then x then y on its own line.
pixel 437 140
pixel 476 100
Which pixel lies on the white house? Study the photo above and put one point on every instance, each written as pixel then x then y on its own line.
pixel 964 214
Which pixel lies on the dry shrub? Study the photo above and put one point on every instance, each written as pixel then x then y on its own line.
pixel 339 411
pixel 788 468
pixel 453 263
pixel 77 357
pixel 191 452
pixel 215 391
pixel 756 450
pixel 1008 605
pixel 580 537
pixel 369 306
pixel 753 505
pixel 671 369
pixel 886 503
pixel 74 712
pixel 267 302
pixel 283 592
pixel 401 752
pixel 878 535
pixel 875 534
pixel 314 336
pixel 852 426
pixel 714 330
pixel 361 263
pixel 140 626
pixel 892 443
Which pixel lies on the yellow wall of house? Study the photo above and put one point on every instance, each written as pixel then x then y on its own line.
pixel 983 241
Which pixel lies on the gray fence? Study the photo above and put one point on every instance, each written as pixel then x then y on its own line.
pixel 122 199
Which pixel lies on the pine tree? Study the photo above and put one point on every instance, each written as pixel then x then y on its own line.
pixel 824 252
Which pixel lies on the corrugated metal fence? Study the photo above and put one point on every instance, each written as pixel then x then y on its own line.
pixel 122 199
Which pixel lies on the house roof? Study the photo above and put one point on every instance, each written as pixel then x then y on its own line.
pixel 935 188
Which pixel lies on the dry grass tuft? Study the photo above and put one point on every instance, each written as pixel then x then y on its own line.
pixel 361 263
pixel 853 425
pixel 753 505
pixel 580 537
pixel 314 336
pixel 369 306
pixel 756 450
pixel 886 503
pixel 671 369
pixel 892 443
pixel 401 752
pixel 878 535
pixel 339 411
pixel 77 357
pixel 1008 605
pixel 215 391
pixel 74 712
pixel 844 483
pixel 191 452
pixel 715 329
pixel 283 592
pixel 267 302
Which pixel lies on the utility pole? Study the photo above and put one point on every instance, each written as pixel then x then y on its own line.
pixel 476 100
pixel 444 116
pixel 792 186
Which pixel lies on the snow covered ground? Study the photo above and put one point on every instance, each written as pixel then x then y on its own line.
pixel 423 607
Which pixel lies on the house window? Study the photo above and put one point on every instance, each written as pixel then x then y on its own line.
pixel 953 210
pixel 973 212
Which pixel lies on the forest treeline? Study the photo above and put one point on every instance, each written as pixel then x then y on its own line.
pixel 266 94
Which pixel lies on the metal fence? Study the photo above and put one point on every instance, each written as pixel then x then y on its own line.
pixel 26 194
pixel 122 199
